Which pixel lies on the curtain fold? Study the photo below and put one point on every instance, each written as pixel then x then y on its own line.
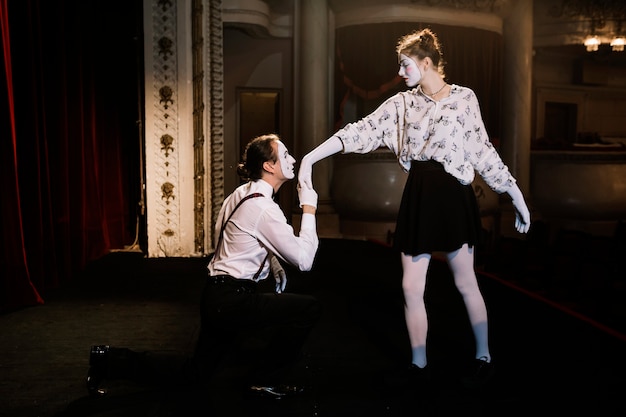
pixel 73 114
pixel 17 286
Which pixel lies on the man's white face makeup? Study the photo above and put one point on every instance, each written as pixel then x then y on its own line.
pixel 286 161
pixel 409 71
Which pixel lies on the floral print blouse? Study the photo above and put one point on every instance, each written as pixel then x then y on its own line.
pixel 415 127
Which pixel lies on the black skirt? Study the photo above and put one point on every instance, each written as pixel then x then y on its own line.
pixel 437 212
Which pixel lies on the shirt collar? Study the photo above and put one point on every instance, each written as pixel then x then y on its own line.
pixel 263 187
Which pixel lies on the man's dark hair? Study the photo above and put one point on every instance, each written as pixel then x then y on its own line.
pixel 257 152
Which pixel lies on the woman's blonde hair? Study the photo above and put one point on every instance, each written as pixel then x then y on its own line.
pixel 422 44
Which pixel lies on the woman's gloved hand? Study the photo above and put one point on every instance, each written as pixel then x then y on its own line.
pixel 522 214
pixel 330 147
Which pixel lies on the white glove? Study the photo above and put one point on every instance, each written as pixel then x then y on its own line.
pixel 279 274
pixel 307 196
pixel 522 214
pixel 330 147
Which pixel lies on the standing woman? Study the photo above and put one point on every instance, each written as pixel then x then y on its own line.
pixel 438 135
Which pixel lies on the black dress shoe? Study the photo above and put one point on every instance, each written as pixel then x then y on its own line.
pixel 276 391
pixel 98 365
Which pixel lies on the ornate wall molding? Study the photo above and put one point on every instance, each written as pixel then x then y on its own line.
pixel 184 125
pixel 162 131
pixel 199 172
pixel 215 87
pixel 258 18
pixel 484 19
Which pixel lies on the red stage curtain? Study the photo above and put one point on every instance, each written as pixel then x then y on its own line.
pixel 14 259
pixel 71 166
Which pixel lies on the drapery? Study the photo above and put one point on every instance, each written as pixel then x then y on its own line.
pixel 70 110
pixel 366 66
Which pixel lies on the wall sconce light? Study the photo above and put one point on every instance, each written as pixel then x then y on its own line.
pixel 592 43
pixel 617 44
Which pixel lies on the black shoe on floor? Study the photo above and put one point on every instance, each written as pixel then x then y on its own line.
pixel 98 365
pixel 275 391
pixel 481 372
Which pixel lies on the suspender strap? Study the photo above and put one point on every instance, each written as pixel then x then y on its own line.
pixel 219 241
pixel 249 196
pixel 256 276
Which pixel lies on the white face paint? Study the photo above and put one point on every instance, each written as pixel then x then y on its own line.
pixel 409 71
pixel 285 160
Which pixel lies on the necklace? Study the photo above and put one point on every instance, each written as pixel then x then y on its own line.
pixel 438 91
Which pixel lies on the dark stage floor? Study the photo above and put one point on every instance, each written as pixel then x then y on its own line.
pixel 548 360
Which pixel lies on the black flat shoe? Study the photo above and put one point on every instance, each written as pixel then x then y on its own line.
pixel 481 373
pixel 98 365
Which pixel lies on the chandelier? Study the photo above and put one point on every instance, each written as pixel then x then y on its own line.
pixel 603 17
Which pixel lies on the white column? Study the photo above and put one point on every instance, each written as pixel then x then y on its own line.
pixel 517 90
pixel 168 129
pixel 312 75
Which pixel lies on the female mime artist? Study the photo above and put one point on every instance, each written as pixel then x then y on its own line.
pixel 438 135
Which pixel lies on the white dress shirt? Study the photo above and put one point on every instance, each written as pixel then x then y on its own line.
pixel 258 226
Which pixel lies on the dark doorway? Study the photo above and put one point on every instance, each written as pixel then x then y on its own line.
pixel 259 114
pixel 560 122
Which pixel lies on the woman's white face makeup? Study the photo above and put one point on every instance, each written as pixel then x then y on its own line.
pixel 286 161
pixel 409 71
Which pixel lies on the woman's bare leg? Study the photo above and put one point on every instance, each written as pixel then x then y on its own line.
pixel 461 264
pixel 414 269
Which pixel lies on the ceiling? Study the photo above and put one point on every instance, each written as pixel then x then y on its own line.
pixel 559 26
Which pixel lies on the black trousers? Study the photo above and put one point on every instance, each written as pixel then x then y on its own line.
pixel 262 332
pixel 257 334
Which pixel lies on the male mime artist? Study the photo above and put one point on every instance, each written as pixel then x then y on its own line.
pixel 252 238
